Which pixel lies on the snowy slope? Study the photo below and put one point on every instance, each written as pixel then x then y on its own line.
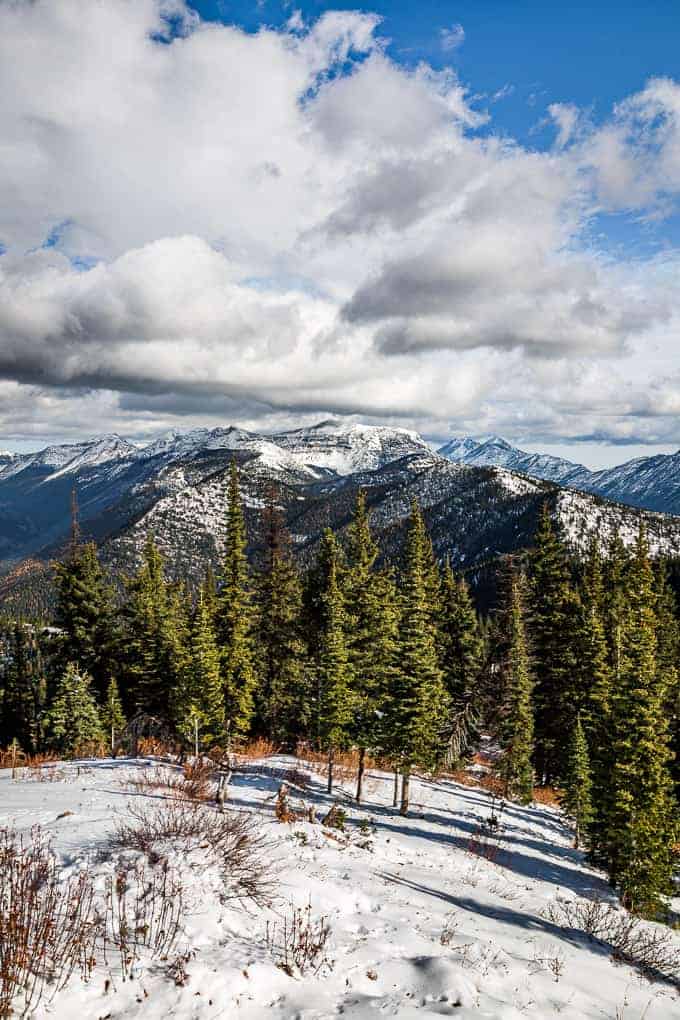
pixel 492 450
pixel 422 924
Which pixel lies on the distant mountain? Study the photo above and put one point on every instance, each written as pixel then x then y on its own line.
pixel 174 488
pixel 651 483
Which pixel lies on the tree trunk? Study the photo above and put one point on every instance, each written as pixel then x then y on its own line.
pixel 405 785
pixel 330 770
pixel 360 773
pixel 395 796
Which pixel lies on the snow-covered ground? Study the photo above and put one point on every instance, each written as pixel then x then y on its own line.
pixel 421 923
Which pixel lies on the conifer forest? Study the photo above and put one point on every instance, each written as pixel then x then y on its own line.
pixel 572 677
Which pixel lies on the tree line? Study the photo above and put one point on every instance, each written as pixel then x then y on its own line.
pixel 574 676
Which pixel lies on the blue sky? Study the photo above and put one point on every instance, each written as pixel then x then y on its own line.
pixel 267 214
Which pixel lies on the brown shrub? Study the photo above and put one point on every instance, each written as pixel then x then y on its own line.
pixel 298 943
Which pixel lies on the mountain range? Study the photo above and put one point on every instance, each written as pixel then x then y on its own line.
pixel 652 483
pixel 479 497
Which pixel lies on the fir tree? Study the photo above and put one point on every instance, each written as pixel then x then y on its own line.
pixel 235 621
pixel 111 713
pixel 517 717
pixel 198 698
pixel 553 614
pixel 373 635
pixel 419 702
pixel 85 614
pixel 285 704
pixel 640 821
pixel 461 652
pixel 72 723
pixel 24 690
pixel 668 662
pixel 334 671
pixel 577 786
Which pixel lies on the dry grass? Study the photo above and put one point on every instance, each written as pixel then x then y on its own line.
pixel 195 781
pixel 298 942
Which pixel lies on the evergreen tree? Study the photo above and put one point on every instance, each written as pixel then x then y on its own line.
pixel 461 653
pixel 334 670
pixel 373 636
pixel 111 713
pixel 72 723
pixel 198 698
pixel 577 787
pixel 553 615
pixel 517 717
pixel 235 622
pixel 419 702
pixel 155 619
pixel 285 702
pixel 668 662
pixel 24 690
pixel 640 821
pixel 85 613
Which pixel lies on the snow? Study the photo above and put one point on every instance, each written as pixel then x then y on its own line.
pixel 421 924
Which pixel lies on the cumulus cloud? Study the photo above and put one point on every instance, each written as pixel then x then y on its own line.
pixel 200 223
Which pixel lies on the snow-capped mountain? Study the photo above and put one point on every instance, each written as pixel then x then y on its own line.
pixel 175 488
pixel 492 450
pixel 652 483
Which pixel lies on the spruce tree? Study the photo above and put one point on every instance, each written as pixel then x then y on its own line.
pixel 517 723
pixel 24 689
pixel 373 636
pixel 198 698
pixel 111 713
pixel 668 662
pixel 235 622
pixel 284 694
pixel 418 701
pixel 553 615
pixel 85 614
pixel 72 723
pixel 334 670
pixel 641 822
pixel 461 653
pixel 577 786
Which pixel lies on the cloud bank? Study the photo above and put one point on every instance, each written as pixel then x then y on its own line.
pixel 199 223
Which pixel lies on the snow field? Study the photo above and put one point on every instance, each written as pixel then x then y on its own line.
pixel 428 916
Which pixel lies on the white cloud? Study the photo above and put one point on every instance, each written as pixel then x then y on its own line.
pixel 452 38
pixel 288 222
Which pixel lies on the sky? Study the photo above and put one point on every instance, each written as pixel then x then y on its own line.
pixel 461 218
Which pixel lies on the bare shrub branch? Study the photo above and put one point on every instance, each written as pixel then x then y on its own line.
pixel 298 942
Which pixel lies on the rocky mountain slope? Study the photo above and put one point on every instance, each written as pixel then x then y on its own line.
pixel 652 483
pixel 175 489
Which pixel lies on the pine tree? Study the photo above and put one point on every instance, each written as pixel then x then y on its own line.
pixel 640 818
pixel 334 670
pixel 553 614
pixel 155 631
pixel 517 718
pixel 85 614
pixel 373 635
pixel 285 702
pixel 198 698
pixel 72 723
pixel 24 690
pixel 668 662
pixel 111 713
pixel 419 702
pixel 235 621
pixel 577 786
pixel 461 652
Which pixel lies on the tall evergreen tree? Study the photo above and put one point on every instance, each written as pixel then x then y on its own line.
pixel 24 689
pixel 285 697
pixel 198 698
pixel 461 653
pixel 553 614
pixel 373 636
pixel 155 628
pixel 334 669
pixel 668 662
pixel 641 825
pixel 235 622
pixel 577 786
pixel 85 613
pixel 419 702
pixel 517 717
pixel 72 723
